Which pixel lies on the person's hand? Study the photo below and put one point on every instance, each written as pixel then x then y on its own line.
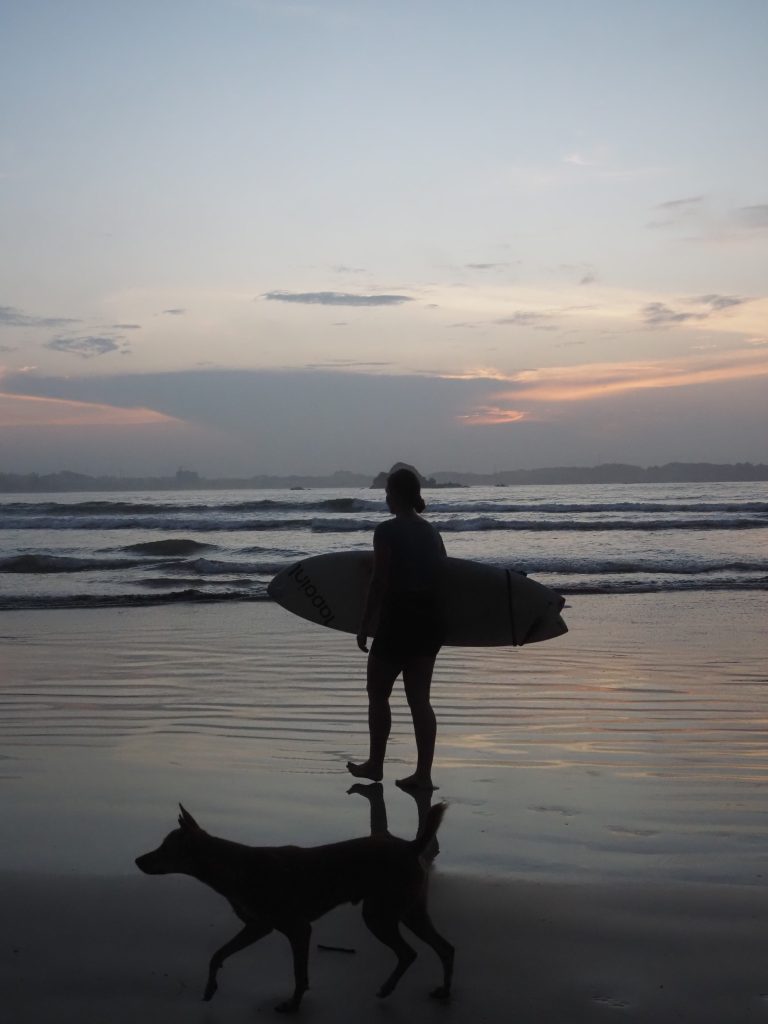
pixel 362 642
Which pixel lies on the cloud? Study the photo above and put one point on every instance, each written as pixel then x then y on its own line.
pixel 346 364
pixel 9 348
pixel 88 346
pixel 125 327
pixel 677 211
pixel 681 204
pixel 657 314
pixel 12 317
pixel 337 298
pixel 479 373
pixel 585 273
pixel 718 302
pixel 320 420
pixel 36 411
pixel 528 318
pixel 553 385
pixel 486 415
pixel 712 225
pixel 173 312
pixel 753 218
pixel 532 319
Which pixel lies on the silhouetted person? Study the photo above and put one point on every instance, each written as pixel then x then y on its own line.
pixel 408 556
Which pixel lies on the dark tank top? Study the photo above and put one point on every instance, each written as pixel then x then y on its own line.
pixel 416 553
pixel 410 621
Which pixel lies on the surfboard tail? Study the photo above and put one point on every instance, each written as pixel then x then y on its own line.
pixel 544 629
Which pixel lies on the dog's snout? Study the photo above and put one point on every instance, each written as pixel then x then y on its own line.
pixel 147 863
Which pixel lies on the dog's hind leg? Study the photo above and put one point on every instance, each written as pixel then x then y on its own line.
pixel 417 919
pixel 250 934
pixel 297 933
pixel 383 923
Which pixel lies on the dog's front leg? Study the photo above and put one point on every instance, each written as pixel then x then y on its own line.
pixel 250 934
pixel 298 934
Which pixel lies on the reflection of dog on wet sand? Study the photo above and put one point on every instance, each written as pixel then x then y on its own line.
pixel 285 888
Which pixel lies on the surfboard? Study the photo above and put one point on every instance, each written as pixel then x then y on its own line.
pixel 482 605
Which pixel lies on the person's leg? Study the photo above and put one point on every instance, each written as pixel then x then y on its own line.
pixel 417 678
pixel 381 678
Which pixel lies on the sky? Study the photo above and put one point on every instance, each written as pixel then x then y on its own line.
pixel 267 236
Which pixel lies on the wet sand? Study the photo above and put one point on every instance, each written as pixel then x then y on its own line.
pixel 603 854
pixel 90 950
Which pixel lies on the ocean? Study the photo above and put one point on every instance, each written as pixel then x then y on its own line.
pixel 149 548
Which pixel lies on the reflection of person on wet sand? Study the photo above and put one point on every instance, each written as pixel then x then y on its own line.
pixel 374 794
pixel 408 554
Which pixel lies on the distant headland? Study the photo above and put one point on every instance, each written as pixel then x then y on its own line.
pixel 185 479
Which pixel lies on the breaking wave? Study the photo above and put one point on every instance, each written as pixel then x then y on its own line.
pixel 349 504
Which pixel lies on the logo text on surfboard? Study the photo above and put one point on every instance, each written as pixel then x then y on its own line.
pixel 312 593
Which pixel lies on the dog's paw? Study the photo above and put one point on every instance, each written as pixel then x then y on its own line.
pixel 443 993
pixel 210 991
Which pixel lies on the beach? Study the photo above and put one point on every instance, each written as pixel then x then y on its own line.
pixel 88 950
pixel 602 854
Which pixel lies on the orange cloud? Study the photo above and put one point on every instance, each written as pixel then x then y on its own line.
pixel 577 383
pixel 481 373
pixel 33 411
pixel 494 414
pixel 597 380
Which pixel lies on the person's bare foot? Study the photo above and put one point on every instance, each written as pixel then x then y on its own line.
pixel 365 771
pixel 416 781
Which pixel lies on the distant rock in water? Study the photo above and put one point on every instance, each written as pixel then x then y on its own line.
pixel 380 480
pixel 168 547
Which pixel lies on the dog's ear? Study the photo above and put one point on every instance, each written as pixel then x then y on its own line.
pixel 187 821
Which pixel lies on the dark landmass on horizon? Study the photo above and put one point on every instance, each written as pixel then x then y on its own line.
pixel 608 473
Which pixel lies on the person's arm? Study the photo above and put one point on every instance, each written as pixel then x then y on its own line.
pixel 376 589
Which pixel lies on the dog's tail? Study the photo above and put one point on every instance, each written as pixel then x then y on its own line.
pixel 431 825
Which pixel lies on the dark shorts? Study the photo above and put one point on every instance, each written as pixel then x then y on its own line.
pixel 409 627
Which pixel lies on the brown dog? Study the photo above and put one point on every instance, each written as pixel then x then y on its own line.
pixel 287 887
